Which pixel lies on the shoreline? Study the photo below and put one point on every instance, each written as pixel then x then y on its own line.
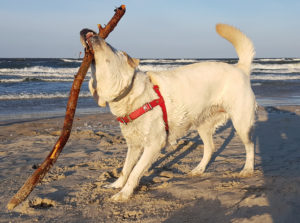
pixel 31 117
pixel 94 155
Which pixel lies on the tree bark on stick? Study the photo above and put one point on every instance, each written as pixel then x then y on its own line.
pixel 39 174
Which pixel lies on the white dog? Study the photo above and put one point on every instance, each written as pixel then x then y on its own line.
pixel 201 95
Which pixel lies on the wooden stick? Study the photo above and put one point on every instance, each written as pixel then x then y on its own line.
pixel 39 174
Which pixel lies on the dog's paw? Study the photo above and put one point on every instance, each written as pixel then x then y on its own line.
pixel 121 196
pixel 193 174
pixel 246 173
pixel 114 185
pixel 119 183
pixel 108 186
pixel 196 172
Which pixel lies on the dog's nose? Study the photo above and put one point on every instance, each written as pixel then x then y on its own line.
pixel 86 31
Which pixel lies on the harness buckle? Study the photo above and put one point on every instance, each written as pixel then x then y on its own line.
pixel 123 121
pixel 147 107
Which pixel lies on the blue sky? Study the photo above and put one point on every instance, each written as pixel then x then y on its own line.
pixel 149 29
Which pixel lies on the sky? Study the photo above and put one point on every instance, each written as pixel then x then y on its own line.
pixel 149 29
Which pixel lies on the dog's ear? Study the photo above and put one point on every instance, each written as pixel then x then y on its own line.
pixel 133 62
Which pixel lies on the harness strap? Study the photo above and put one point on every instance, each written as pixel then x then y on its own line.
pixel 147 107
pixel 163 106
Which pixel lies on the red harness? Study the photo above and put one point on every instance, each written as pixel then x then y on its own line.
pixel 147 107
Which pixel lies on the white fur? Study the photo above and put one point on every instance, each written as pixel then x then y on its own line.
pixel 202 95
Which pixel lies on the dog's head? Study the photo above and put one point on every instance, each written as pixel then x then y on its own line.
pixel 113 70
pixel 105 52
pixel 109 57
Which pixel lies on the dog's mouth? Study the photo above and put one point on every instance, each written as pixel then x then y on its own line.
pixel 85 36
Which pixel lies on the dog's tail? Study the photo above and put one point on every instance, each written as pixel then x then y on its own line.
pixel 242 44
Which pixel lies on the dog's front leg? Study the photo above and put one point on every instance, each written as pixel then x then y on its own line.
pixel 150 153
pixel 133 154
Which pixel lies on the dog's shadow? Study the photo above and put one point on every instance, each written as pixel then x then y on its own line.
pixel 276 140
pixel 188 144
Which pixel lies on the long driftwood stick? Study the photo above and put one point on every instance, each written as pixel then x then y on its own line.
pixel 39 174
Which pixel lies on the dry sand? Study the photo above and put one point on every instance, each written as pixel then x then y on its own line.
pixel 73 190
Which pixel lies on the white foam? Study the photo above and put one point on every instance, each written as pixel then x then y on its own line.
pixel 164 61
pixel 72 60
pixel 155 61
pixel 156 67
pixel 270 59
pixel 166 64
pixel 258 68
pixel 50 74
pixel 40 71
pixel 11 81
pixel 275 77
pixel 37 79
pixel 40 96
pixel 288 67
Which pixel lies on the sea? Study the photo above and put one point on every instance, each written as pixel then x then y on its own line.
pixel 33 88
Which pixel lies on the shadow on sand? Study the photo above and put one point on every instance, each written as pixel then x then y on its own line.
pixel 277 146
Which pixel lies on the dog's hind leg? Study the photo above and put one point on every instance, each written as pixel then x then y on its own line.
pixel 150 153
pixel 243 124
pixel 133 154
pixel 244 133
pixel 205 133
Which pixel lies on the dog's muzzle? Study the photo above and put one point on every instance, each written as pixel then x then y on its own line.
pixel 85 36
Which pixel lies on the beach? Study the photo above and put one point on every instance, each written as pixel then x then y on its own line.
pixel 33 98
pixel 73 190
pixel 215 51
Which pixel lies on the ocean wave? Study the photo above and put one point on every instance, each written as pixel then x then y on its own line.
pixel 162 61
pixel 146 65
pixel 39 71
pixel 40 96
pixel 277 77
pixel 256 67
pixel 156 67
pixel 71 60
pixel 270 59
pixel 282 71
pixel 34 79
pixel 289 66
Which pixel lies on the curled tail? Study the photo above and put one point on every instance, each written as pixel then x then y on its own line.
pixel 242 44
